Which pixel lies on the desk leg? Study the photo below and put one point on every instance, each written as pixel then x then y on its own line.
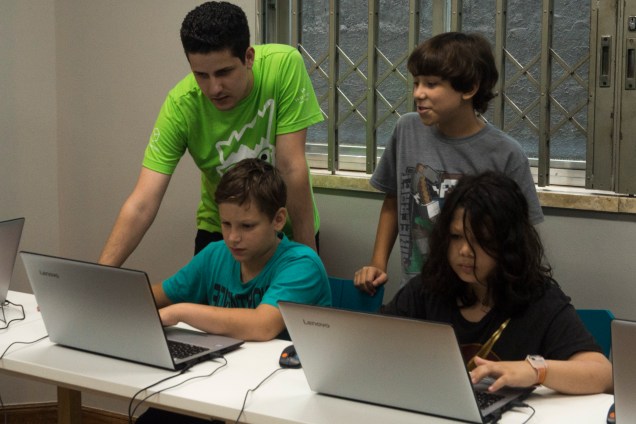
pixel 69 406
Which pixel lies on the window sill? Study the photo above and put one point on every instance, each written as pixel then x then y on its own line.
pixel 550 197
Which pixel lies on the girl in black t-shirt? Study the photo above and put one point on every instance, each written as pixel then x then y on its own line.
pixel 486 275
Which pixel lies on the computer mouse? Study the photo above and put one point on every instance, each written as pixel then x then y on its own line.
pixel 289 358
pixel 611 415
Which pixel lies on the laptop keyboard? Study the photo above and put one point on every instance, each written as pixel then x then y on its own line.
pixel 180 350
pixel 485 399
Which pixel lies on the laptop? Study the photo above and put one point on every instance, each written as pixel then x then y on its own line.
pixel 111 311
pixel 396 362
pixel 10 234
pixel 623 348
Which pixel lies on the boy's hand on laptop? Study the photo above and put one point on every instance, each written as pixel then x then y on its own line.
pixel 505 373
pixel 169 315
pixel 369 278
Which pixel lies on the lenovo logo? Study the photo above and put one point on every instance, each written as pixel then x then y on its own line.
pixel 316 324
pixel 49 274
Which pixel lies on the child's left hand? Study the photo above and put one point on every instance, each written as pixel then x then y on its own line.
pixel 169 316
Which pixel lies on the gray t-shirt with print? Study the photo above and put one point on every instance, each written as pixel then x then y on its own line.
pixel 420 165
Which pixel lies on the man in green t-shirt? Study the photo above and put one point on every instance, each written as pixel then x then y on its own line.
pixel 239 101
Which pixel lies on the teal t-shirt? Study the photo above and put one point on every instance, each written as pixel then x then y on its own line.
pixel 282 101
pixel 294 273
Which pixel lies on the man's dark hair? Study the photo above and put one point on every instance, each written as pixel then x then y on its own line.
pixel 256 182
pixel 216 26
pixel 465 60
pixel 496 212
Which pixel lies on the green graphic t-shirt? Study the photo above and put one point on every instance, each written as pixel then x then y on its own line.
pixel 282 101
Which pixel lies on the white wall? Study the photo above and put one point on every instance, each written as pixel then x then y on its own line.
pixel 81 83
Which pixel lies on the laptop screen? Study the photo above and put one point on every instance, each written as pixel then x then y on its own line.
pixel 10 234
pixel 623 348
pixel 391 361
pixel 106 310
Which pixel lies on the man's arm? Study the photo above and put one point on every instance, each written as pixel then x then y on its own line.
pixel 374 275
pixel 260 324
pixel 291 162
pixel 135 217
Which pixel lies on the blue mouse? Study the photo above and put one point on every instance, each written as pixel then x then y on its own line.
pixel 611 415
pixel 289 358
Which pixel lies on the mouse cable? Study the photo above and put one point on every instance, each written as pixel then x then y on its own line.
pixel 520 404
pixel 253 390
pixel 27 343
pixel 4 318
pixel 131 410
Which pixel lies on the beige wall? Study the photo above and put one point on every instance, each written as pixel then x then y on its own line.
pixel 28 122
pixel 28 143
pixel 116 62
pixel 81 83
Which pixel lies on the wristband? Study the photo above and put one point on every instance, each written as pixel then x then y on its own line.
pixel 539 365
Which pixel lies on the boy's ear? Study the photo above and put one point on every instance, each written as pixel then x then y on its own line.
pixel 468 95
pixel 279 219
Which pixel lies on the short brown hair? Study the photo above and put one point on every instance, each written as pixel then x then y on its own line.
pixel 256 181
pixel 465 60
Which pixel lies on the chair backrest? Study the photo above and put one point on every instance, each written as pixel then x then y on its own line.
pixel 346 296
pixel 598 322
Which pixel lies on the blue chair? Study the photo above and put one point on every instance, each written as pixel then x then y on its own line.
pixel 345 295
pixel 598 323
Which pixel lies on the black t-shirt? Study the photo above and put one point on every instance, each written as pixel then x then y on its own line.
pixel 549 327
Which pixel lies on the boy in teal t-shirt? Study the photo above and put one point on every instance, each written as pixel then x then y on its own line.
pixel 233 287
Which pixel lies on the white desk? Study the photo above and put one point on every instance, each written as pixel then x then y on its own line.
pixel 284 398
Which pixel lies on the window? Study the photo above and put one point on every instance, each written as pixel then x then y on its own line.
pixel 566 77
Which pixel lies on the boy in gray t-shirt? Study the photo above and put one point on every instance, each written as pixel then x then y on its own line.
pixel 454 75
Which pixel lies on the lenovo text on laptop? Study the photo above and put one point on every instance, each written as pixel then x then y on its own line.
pixel 111 311
pixel 402 363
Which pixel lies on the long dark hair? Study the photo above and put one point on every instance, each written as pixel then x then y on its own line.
pixel 496 211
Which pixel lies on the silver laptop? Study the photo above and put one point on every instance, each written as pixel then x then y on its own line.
pixel 402 363
pixel 111 311
pixel 10 234
pixel 623 348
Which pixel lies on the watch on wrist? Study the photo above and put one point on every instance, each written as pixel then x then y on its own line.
pixel 540 367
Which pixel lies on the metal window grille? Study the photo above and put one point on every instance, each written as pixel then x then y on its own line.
pixel 546 52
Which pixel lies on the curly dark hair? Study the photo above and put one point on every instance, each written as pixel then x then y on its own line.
pixel 465 60
pixel 496 212
pixel 216 26
pixel 256 181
